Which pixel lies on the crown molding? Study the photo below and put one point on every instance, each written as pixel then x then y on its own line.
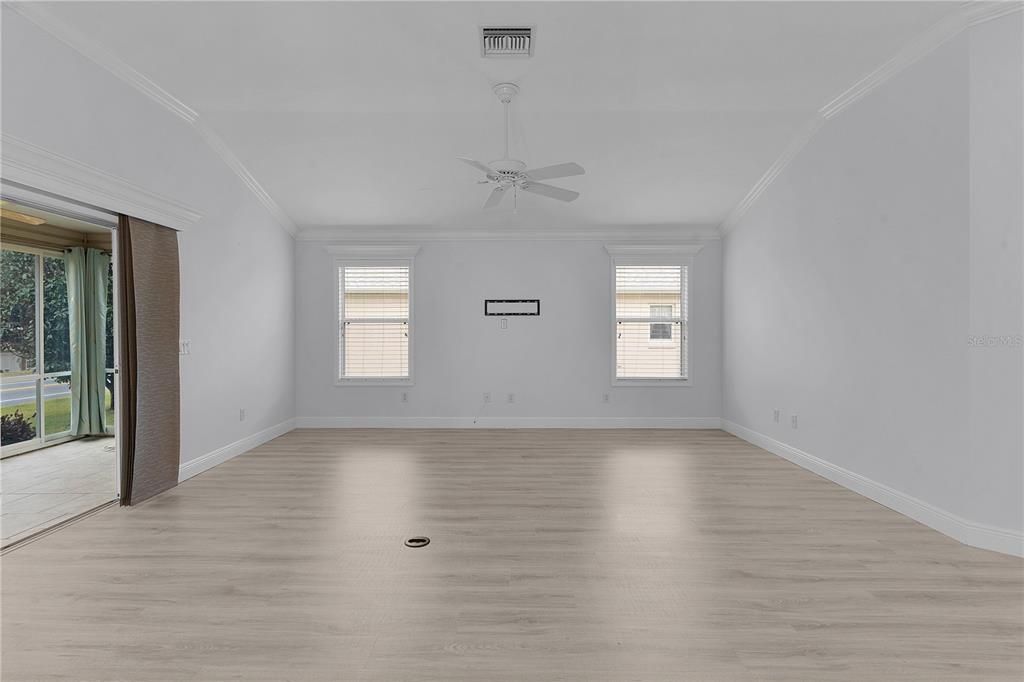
pixel 765 181
pixel 378 250
pixel 90 49
pixel 217 144
pixel 920 47
pixel 33 166
pixel 87 47
pixel 677 249
pixel 417 233
pixel 979 12
pixel 969 14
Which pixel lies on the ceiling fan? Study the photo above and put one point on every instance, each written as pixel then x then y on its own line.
pixel 507 174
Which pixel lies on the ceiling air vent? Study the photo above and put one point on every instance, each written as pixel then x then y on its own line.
pixel 504 41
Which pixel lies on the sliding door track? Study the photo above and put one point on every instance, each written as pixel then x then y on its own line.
pixel 56 527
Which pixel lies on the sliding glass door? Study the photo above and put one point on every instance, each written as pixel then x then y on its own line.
pixel 35 353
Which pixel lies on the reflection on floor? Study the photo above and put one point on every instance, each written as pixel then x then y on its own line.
pixel 42 488
pixel 555 554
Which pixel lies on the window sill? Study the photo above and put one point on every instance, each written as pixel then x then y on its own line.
pixel 372 382
pixel 662 383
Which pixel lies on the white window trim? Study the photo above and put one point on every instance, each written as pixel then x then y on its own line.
pixel 651 256
pixel 366 256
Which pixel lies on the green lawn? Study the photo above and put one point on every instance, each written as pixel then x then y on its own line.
pixel 58 413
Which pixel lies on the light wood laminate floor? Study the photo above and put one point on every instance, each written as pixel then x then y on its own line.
pixel 555 555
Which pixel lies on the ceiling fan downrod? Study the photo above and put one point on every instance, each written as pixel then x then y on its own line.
pixel 506 92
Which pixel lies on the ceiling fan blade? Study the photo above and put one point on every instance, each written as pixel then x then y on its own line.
pixel 562 170
pixel 476 164
pixel 495 198
pixel 550 191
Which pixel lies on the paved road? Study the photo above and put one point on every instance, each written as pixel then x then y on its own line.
pixel 16 391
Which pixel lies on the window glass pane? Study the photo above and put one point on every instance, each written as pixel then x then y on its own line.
pixel 376 293
pixel 662 311
pixel 637 288
pixel 57 394
pixel 18 409
pixel 108 403
pixel 56 334
pixel 660 332
pixel 17 312
pixel 638 357
pixel 376 349
pixel 374 322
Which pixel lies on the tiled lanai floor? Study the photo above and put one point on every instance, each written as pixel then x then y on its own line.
pixel 42 488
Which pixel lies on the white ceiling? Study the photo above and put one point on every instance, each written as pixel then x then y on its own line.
pixel 353 113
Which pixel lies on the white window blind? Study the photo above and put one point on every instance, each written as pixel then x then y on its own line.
pixel 374 319
pixel 650 322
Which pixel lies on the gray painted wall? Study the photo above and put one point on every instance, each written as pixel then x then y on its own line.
pixel 558 365
pixel 853 286
pixel 237 279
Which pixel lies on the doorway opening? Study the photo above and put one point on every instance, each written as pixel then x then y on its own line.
pixel 58 352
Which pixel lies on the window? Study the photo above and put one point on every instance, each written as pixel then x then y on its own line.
pixel 373 321
pixel 651 322
pixel 35 349
pixel 661 331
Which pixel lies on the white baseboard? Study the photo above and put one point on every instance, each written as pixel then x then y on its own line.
pixel 968 532
pixel 221 455
pixel 507 423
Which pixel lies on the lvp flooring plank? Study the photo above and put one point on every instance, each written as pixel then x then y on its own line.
pixel 555 555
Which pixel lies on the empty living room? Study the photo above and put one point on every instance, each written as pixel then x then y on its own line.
pixel 529 341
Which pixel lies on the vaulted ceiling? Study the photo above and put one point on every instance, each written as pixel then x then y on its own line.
pixel 353 113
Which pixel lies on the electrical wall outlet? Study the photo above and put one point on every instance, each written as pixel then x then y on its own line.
pixel 405 397
pixel 185 347
pixel 487 397
pixel 777 413
pixel 503 323
pixel 606 398
pixel 241 414
pixel 793 422
pixel 511 398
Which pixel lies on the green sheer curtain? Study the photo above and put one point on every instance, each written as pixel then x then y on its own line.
pixel 87 315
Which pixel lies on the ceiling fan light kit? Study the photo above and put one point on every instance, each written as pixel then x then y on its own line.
pixel 507 173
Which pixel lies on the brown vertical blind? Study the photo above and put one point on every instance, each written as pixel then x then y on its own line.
pixel 149 379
